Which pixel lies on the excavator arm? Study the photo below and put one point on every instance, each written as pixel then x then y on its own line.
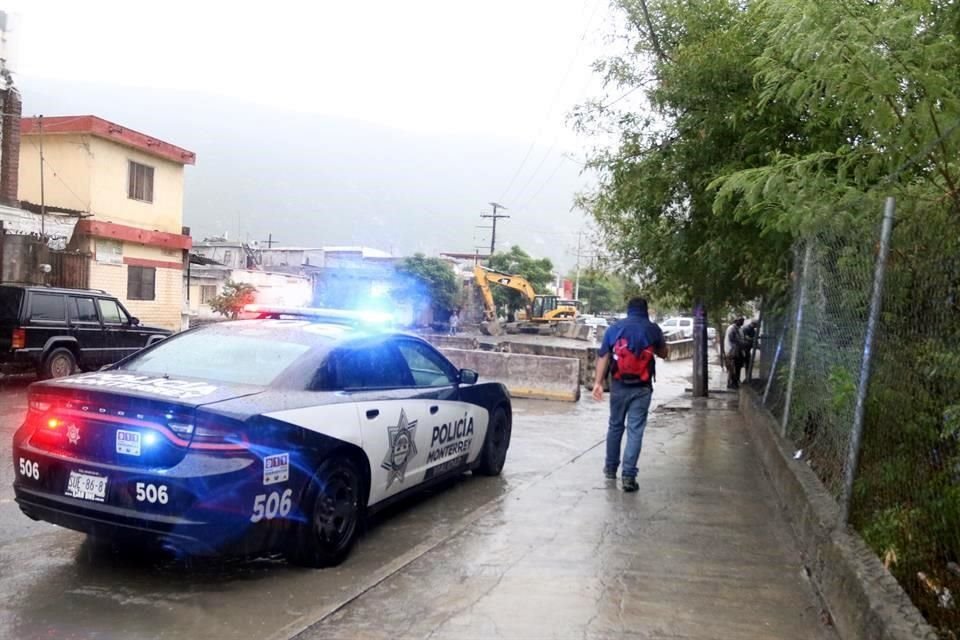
pixel 485 276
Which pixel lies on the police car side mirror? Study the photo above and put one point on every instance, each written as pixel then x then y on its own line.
pixel 468 376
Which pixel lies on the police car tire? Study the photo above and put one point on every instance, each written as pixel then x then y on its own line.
pixel 495 444
pixel 335 492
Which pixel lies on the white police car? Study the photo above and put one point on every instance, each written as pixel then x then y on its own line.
pixel 273 434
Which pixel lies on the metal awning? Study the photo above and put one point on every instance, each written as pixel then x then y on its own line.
pixel 58 227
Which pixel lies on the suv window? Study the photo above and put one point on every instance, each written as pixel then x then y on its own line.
pixel 426 366
pixel 10 304
pixel 111 312
pixel 82 310
pixel 376 366
pixel 47 307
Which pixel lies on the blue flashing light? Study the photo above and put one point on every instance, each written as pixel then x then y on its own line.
pixel 149 438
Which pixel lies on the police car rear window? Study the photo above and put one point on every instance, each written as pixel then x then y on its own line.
pixel 223 358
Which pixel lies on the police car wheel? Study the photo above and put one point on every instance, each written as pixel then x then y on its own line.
pixel 495 444
pixel 334 515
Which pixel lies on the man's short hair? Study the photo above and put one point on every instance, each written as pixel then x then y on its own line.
pixel 637 304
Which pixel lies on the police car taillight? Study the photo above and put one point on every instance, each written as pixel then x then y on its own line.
pixel 216 435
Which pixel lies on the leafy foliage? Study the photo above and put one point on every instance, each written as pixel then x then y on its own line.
pixel 428 282
pixel 600 290
pixel 234 297
pixel 516 261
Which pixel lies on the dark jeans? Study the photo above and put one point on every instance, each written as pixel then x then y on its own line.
pixel 734 366
pixel 629 405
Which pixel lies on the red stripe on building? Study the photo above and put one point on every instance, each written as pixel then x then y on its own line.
pixel 92 125
pixel 123 232
pixel 156 264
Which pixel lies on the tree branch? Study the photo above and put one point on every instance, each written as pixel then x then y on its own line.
pixel 654 40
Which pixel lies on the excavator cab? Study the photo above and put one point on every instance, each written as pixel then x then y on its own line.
pixel 547 308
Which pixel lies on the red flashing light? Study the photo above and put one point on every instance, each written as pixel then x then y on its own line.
pixel 53 423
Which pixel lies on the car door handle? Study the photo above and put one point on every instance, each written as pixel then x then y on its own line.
pixel 434 409
pixel 372 413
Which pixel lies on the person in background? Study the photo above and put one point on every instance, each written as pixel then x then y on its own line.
pixel 628 349
pixel 454 322
pixel 733 352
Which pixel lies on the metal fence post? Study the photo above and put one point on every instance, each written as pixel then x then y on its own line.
pixel 876 302
pixel 797 328
pixel 755 345
pixel 773 365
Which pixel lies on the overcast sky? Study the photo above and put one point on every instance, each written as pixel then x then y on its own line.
pixel 504 68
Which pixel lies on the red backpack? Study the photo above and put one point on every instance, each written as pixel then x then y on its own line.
pixel 629 367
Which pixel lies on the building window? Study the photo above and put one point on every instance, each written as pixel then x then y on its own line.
pixel 207 293
pixel 109 251
pixel 141 283
pixel 228 258
pixel 140 182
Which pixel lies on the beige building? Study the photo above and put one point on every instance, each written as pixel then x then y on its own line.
pixel 131 185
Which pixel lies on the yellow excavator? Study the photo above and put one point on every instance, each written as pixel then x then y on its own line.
pixel 540 308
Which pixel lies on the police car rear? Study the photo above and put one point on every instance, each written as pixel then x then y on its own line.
pixel 159 447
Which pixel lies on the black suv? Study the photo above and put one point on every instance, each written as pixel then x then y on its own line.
pixel 57 331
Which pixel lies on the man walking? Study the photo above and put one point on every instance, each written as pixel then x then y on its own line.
pixel 733 352
pixel 628 349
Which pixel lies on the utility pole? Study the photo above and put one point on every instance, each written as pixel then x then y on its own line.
pixel 576 286
pixel 495 216
pixel 43 201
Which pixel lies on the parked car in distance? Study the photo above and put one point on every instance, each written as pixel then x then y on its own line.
pixel 681 328
pixel 593 321
pixel 55 332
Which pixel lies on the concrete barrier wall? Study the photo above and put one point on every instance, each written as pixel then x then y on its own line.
pixel 586 355
pixel 680 349
pixel 452 342
pixel 526 376
pixel 864 599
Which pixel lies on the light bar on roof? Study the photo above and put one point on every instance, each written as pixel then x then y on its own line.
pixel 344 316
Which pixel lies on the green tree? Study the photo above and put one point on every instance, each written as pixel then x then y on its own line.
pixel 600 290
pixel 234 297
pixel 537 271
pixel 691 62
pixel 428 282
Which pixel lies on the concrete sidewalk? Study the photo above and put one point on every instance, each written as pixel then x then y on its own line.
pixel 700 552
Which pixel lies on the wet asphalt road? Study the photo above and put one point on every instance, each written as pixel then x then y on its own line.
pixel 54 584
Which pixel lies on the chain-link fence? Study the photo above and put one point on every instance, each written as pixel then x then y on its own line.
pixel 905 500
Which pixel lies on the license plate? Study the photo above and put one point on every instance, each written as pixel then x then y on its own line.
pixel 87 486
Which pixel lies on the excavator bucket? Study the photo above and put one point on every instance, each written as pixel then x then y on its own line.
pixel 491 328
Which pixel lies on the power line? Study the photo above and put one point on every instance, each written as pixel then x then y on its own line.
pixel 86 206
pixel 543 184
pixel 553 100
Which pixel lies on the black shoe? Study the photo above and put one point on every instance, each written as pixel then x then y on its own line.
pixel 610 475
pixel 630 485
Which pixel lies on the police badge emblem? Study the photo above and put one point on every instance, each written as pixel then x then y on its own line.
pixel 402 449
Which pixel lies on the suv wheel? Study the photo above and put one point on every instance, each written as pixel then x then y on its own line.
pixel 60 363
